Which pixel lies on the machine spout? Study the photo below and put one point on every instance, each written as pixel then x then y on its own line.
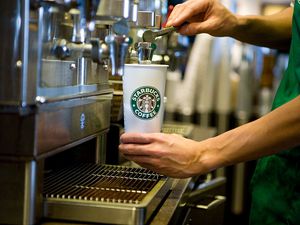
pixel 118 46
pixel 145 52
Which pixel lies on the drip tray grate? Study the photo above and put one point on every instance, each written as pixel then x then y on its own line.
pixel 85 191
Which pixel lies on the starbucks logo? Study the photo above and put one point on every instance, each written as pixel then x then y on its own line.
pixel 145 102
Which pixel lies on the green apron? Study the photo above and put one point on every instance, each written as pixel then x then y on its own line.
pixel 276 181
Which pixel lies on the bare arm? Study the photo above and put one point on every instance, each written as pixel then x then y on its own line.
pixel 176 156
pixel 210 16
pixel 272 31
pixel 275 132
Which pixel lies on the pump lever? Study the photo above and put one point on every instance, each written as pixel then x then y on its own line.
pixel 150 36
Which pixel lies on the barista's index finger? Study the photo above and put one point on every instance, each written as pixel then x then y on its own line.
pixel 137 138
pixel 185 11
pixel 175 18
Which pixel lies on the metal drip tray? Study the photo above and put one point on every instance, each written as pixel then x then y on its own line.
pixel 104 194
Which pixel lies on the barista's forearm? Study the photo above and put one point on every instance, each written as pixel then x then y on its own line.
pixel 275 132
pixel 272 31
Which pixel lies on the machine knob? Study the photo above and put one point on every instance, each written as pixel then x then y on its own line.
pixel 99 51
pixel 61 50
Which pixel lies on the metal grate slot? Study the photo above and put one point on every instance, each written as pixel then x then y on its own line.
pixel 104 183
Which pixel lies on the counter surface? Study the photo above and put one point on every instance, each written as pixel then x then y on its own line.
pixel 168 208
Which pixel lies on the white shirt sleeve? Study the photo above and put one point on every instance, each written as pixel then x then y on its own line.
pixel 292 3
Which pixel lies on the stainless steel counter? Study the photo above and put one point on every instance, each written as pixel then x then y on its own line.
pixel 168 208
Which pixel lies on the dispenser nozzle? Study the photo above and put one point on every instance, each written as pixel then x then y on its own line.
pixel 118 46
pixel 145 52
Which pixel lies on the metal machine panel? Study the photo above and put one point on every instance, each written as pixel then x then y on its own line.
pixel 11 50
pixel 53 125
pixel 19 204
pixel 64 122
pixel 58 73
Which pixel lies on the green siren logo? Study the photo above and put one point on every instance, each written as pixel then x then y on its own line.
pixel 145 102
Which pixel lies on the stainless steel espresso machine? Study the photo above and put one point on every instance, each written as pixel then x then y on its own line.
pixel 56 58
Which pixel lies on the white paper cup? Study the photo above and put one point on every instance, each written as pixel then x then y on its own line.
pixel 143 97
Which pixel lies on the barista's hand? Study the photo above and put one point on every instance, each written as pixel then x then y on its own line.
pixel 168 154
pixel 203 16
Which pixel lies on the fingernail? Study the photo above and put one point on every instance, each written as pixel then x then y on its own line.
pixel 168 23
